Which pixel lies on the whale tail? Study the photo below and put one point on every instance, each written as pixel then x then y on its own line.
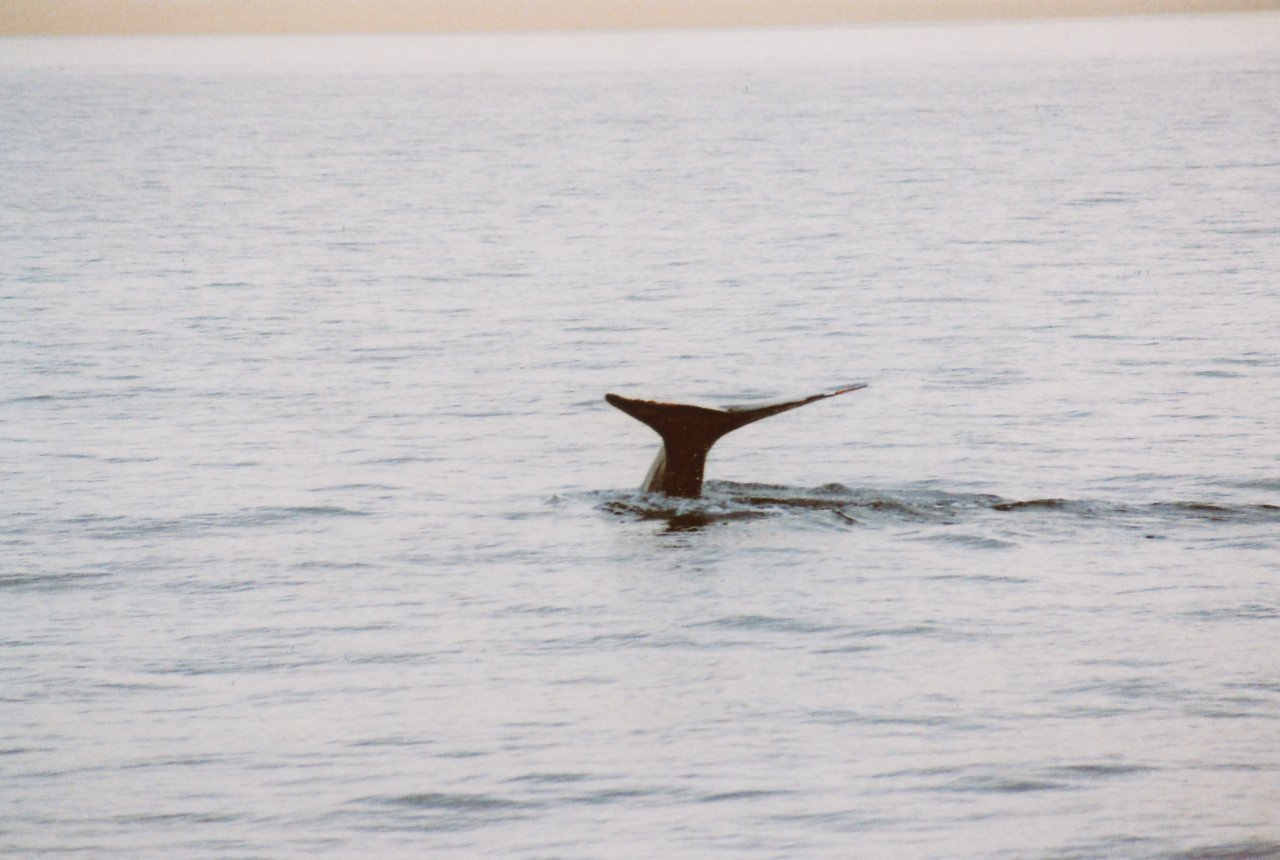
pixel 688 432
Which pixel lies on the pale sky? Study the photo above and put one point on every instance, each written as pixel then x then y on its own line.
pixel 85 17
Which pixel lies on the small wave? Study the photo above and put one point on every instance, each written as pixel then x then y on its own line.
pixel 1101 200
pixel 339 487
pixel 1099 771
pixel 447 802
pixel 743 794
pixel 1256 850
pixel 180 819
pixel 434 811
pixel 400 461
pixel 125 527
pixel 49 581
pixel 988 578
pixel 397 741
pixel 1272 484
pixel 331 565
pixel 310 511
pixel 196 668
pixel 1247 612
pixel 1032 503
pixel 849 649
pixel 843 717
pixel 1220 513
pixel 614 795
pixel 971 541
pixel 1003 785
pixel 766 622
pixel 552 778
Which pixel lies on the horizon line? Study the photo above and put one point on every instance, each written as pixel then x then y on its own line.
pixel 331 17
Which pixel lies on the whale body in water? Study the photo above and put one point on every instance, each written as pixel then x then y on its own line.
pixel 688 432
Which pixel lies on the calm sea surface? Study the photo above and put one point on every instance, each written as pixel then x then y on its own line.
pixel 317 538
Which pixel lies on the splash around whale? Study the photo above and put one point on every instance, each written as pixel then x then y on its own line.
pixel 688 432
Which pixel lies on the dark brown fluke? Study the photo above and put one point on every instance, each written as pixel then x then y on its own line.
pixel 688 432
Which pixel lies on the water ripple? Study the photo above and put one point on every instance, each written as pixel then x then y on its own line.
pixel 725 502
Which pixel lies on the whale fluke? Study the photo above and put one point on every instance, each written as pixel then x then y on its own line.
pixel 688 432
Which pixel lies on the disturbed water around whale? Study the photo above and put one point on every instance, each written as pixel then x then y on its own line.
pixel 317 537
pixel 724 501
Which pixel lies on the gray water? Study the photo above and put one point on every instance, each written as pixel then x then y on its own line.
pixel 318 539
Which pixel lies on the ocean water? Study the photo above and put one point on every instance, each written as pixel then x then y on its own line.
pixel 317 537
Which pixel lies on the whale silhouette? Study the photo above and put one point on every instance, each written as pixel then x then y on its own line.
pixel 688 432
